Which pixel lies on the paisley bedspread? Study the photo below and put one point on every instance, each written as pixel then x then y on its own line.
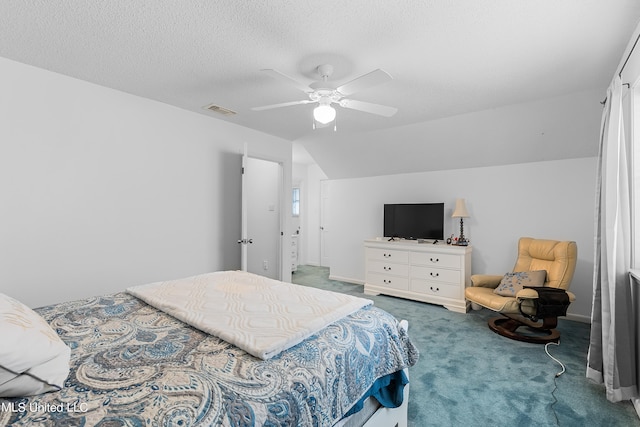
pixel 132 365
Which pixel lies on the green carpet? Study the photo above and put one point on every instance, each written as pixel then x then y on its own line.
pixel 469 376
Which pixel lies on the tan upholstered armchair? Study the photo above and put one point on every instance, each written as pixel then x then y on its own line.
pixel 547 263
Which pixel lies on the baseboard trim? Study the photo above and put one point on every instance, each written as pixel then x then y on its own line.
pixel 574 317
pixel 578 318
pixel 346 279
pixel 313 264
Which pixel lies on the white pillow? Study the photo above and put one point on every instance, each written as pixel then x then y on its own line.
pixel 33 358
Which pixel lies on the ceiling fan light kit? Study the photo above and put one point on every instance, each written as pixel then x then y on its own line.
pixel 324 113
pixel 318 92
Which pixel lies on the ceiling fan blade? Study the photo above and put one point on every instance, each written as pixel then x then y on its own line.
pixel 283 104
pixel 368 107
pixel 284 78
pixel 368 80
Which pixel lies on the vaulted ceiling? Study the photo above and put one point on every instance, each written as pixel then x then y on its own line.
pixel 465 59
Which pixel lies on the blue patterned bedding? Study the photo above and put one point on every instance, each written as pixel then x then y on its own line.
pixel 132 365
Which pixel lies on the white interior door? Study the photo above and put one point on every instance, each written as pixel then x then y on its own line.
pixel 324 224
pixel 244 240
pixel 261 217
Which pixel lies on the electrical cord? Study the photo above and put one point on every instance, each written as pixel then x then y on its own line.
pixel 546 349
pixel 555 384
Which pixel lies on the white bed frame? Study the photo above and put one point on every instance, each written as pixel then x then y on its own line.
pixel 391 417
pixel 388 417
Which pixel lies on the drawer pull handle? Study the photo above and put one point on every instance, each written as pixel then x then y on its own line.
pixel 434 290
pixel 386 268
pixel 388 282
pixel 386 255
pixel 436 260
pixel 434 275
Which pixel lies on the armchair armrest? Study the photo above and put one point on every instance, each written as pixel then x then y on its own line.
pixel 528 293
pixel 486 280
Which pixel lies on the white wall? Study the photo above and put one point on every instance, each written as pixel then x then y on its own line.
pixel 102 190
pixel 553 200
pixel 562 127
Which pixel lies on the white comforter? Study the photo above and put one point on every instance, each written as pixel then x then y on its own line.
pixel 260 315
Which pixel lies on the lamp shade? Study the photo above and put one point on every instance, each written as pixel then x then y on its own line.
pixel 324 113
pixel 460 210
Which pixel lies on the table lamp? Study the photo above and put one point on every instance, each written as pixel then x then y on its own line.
pixel 461 212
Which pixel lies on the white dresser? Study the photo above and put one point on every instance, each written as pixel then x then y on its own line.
pixel 437 274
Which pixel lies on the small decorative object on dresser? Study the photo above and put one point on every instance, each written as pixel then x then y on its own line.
pixel 436 274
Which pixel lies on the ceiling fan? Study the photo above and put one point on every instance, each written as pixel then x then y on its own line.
pixel 325 95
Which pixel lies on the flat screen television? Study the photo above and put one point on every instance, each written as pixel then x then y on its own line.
pixel 414 220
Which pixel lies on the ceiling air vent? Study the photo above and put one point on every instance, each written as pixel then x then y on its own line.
pixel 220 110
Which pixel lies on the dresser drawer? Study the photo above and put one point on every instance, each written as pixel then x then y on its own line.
pixel 444 290
pixel 388 281
pixel 388 255
pixel 388 268
pixel 436 260
pixel 436 274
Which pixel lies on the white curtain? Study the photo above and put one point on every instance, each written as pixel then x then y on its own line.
pixel 612 356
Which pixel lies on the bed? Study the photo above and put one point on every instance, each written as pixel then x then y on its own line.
pixel 132 364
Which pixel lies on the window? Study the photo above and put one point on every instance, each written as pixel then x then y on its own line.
pixel 295 207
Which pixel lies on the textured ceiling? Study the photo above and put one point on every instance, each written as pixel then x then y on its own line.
pixel 447 58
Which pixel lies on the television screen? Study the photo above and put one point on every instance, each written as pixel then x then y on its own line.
pixel 414 220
